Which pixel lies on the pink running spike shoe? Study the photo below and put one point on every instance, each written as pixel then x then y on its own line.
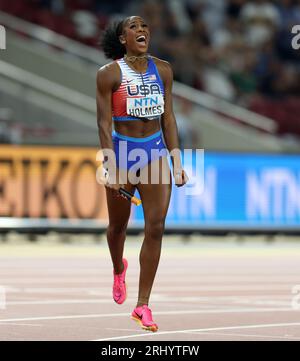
pixel 119 287
pixel 143 316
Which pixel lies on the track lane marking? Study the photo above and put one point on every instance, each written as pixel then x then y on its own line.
pixel 164 313
pixel 243 327
pixel 243 335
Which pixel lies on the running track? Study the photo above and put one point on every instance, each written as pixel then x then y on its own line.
pixel 211 289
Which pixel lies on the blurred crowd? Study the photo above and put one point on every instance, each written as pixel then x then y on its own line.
pixel 239 50
pixel 231 48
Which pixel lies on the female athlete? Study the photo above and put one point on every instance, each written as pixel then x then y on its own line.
pixel 134 91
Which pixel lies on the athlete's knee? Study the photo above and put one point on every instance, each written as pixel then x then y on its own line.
pixel 116 230
pixel 155 228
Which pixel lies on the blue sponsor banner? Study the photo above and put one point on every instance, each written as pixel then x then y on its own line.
pixel 237 191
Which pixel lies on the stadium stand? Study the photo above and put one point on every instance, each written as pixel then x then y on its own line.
pixel 211 35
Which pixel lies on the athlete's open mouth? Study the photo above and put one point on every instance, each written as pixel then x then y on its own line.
pixel 141 39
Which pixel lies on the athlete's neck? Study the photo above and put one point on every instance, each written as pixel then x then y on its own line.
pixel 138 62
pixel 136 58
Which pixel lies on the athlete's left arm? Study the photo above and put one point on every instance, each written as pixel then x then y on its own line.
pixel 169 125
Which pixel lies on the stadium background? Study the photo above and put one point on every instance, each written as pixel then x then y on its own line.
pixel 236 95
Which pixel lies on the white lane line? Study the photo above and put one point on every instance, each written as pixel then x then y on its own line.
pixel 106 278
pixel 163 296
pixel 65 302
pixel 61 302
pixel 21 324
pixel 204 301
pixel 12 289
pixel 182 273
pixel 243 335
pixel 199 330
pixel 165 313
pixel 213 288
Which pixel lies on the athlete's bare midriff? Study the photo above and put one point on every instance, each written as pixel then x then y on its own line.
pixel 138 128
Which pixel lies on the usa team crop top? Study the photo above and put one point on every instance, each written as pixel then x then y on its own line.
pixel 140 95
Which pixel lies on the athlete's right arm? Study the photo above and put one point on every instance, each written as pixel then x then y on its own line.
pixel 106 82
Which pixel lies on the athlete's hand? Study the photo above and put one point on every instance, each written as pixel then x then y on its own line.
pixel 180 177
pixel 116 184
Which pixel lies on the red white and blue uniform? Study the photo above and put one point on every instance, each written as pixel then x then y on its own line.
pixel 139 96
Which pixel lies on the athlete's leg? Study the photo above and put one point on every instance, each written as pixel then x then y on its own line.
pixel 118 212
pixel 155 200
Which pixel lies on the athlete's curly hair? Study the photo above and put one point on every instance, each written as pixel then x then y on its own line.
pixel 110 41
